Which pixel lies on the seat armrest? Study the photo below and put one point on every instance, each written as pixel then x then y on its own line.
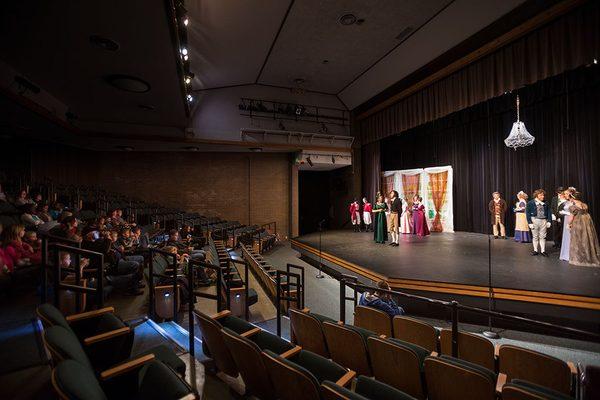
pixel 106 335
pixel 572 368
pixel 251 332
pixel 222 314
pixel 90 314
pixel 126 367
pixel 306 310
pixel 496 351
pixel 433 354
pixel 500 382
pixel 291 352
pixel 346 379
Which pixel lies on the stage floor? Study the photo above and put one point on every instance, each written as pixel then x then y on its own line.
pixel 456 259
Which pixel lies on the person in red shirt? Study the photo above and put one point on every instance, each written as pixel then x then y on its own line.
pixel 355 215
pixel 16 250
pixel 367 210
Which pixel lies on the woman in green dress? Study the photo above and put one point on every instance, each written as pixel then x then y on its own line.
pixel 379 221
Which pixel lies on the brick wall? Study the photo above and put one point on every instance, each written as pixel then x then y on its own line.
pixel 248 187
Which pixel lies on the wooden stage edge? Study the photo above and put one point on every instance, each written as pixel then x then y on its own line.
pixel 556 299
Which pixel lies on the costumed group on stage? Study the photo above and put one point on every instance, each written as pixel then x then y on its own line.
pixel 566 216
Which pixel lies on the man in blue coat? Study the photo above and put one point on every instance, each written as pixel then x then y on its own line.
pixel 539 218
pixel 381 300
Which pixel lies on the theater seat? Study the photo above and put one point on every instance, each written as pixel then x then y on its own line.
pixel 307 331
pixel 297 374
pixel 471 347
pixel 366 389
pixel 399 364
pixel 537 368
pixel 519 389
pixel 415 331
pixel 347 345
pixel 373 319
pixel 108 349
pixel 450 378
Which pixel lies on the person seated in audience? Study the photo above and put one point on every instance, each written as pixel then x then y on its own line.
pixel 67 229
pixel 183 247
pixel 126 264
pixel 99 224
pixel 23 198
pixel 43 212
pixel 16 250
pixel 381 300
pixel 31 239
pixel 5 262
pixel 46 227
pixel 57 209
pixel 140 240
pixel 37 198
pixel 29 216
pixel 2 194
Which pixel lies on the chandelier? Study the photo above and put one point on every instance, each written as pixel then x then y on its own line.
pixel 519 136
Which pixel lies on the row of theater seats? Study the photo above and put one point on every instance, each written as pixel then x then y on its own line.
pixel 407 357
pixel 273 368
pixel 266 275
pixel 91 359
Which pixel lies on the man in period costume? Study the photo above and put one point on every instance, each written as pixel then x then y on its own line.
pixel 557 205
pixel 539 218
pixel 395 211
pixel 355 215
pixel 497 209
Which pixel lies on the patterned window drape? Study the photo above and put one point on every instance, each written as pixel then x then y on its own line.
pixel 411 185
pixel 438 183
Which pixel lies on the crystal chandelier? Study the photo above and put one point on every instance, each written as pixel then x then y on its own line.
pixel 519 136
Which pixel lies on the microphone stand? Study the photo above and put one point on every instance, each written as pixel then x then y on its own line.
pixel 320 275
pixel 490 334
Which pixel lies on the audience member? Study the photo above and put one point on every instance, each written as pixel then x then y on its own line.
pixel 67 229
pixel 44 213
pixel 57 209
pixel 16 250
pixel 381 300
pixel 2 194
pixel 29 216
pixel 23 198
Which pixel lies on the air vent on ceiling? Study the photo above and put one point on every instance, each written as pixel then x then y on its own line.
pixel 405 32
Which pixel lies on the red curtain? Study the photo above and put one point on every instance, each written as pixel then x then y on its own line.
pixel 438 183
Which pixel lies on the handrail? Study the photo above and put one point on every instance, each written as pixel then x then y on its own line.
pixel 58 284
pixel 280 294
pixel 456 307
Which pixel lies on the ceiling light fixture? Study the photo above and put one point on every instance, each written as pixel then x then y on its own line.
pixel 309 161
pixel 347 19
pixel 192 148
pixel 186 21
pixel 124 148
pixel 104 43
pixel 128 83
pixel 184 51
pixel 146 107
pixel 256 149
pixel 190 98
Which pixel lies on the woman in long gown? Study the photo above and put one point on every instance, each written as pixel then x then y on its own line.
pixel 522 233
pixel 379 221
pixel 406 219
pixel 584 247
pixel 565 246
pixel 420 227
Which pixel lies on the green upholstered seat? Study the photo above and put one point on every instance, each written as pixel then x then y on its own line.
pixel 165 354
pixel 158 382
pixel 491 375
pixel 236 324
pixel 365 333
pixel 342 391
pixel 320 367
pixel 321 318
pixel 52 316
pixel 419 351
pixel 64 345
pixel 372 389
pixel 536 391
pixel 77 382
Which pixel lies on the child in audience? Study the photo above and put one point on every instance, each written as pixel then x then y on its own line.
pixel 381 300
pixel 67 229
pixel 19 252
pixel 29 217
pixel 31 239
pixel 23 198
pixel 44 213
pixel 57 209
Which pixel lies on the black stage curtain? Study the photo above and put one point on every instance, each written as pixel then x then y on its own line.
pixel 562 112
pixel 570 41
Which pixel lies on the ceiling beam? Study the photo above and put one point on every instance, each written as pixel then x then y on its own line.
pixel 512 35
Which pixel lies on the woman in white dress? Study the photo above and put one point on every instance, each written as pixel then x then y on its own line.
pixel 406 219
pixel 567 217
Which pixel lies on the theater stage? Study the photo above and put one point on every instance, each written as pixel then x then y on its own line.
pixel 455 265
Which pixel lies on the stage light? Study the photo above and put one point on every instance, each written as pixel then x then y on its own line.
pixel 281 126
pixel 595 61
pixel 190 98
pixel 185 58
pixel 184 51
pixel 333 159
pixel 309 161
pixel 188 80
pixel 186 21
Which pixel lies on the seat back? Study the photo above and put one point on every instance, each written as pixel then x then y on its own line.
pixel 523 390
pixel 290 381
pixel 71 380
pixel 471 347
pixel 453 379
pixel 373 389
pixel 249 362
pixel 332 391
pixel 397 365
pixel 308 332
pixel 414 331
pixel 347 347
pixel 51 316
pixel 534 367
pixel 212 338
pixel 64 345
pixel 373 319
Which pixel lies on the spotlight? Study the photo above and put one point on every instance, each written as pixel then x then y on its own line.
pixel 185 57
pixel 595 61
pixel 184 51
pixel 309 161
pixel 281 126
pixel 324 128
pixel 188 80
pixel 186 21
pixel 332 159
pixel 192 148
pixel 190 98
pixel 299 110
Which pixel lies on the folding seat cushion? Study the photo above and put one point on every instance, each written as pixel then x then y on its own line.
pixel 86 327
pixel 64 345
pixel 415 331
pixel 519 389
pixel 399 364
pixel 347 345
pixel 73 380
pixel 307 331
pixel 373 319
pixel 535 367
pixel 450 378
pixel 366 389
pixel 471 347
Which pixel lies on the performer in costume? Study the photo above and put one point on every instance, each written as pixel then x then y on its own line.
pixel 497 209
pixel 355 215
pixel 556 206
pixel 539 218
pixel 420 227
pixel 406 219
pixel 522 233
pixel 395 211
pixel 585 250
pixel 367 209
pixel 565 214
pixel 379 220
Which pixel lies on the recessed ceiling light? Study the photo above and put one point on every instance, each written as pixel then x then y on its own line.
pixel 347 19
pixel 325 61
pixel 104 43
pixel 299 81
pixel 124 148
pixel 256 149
pixel 147 107
pixel 128 83
pixel 192 148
